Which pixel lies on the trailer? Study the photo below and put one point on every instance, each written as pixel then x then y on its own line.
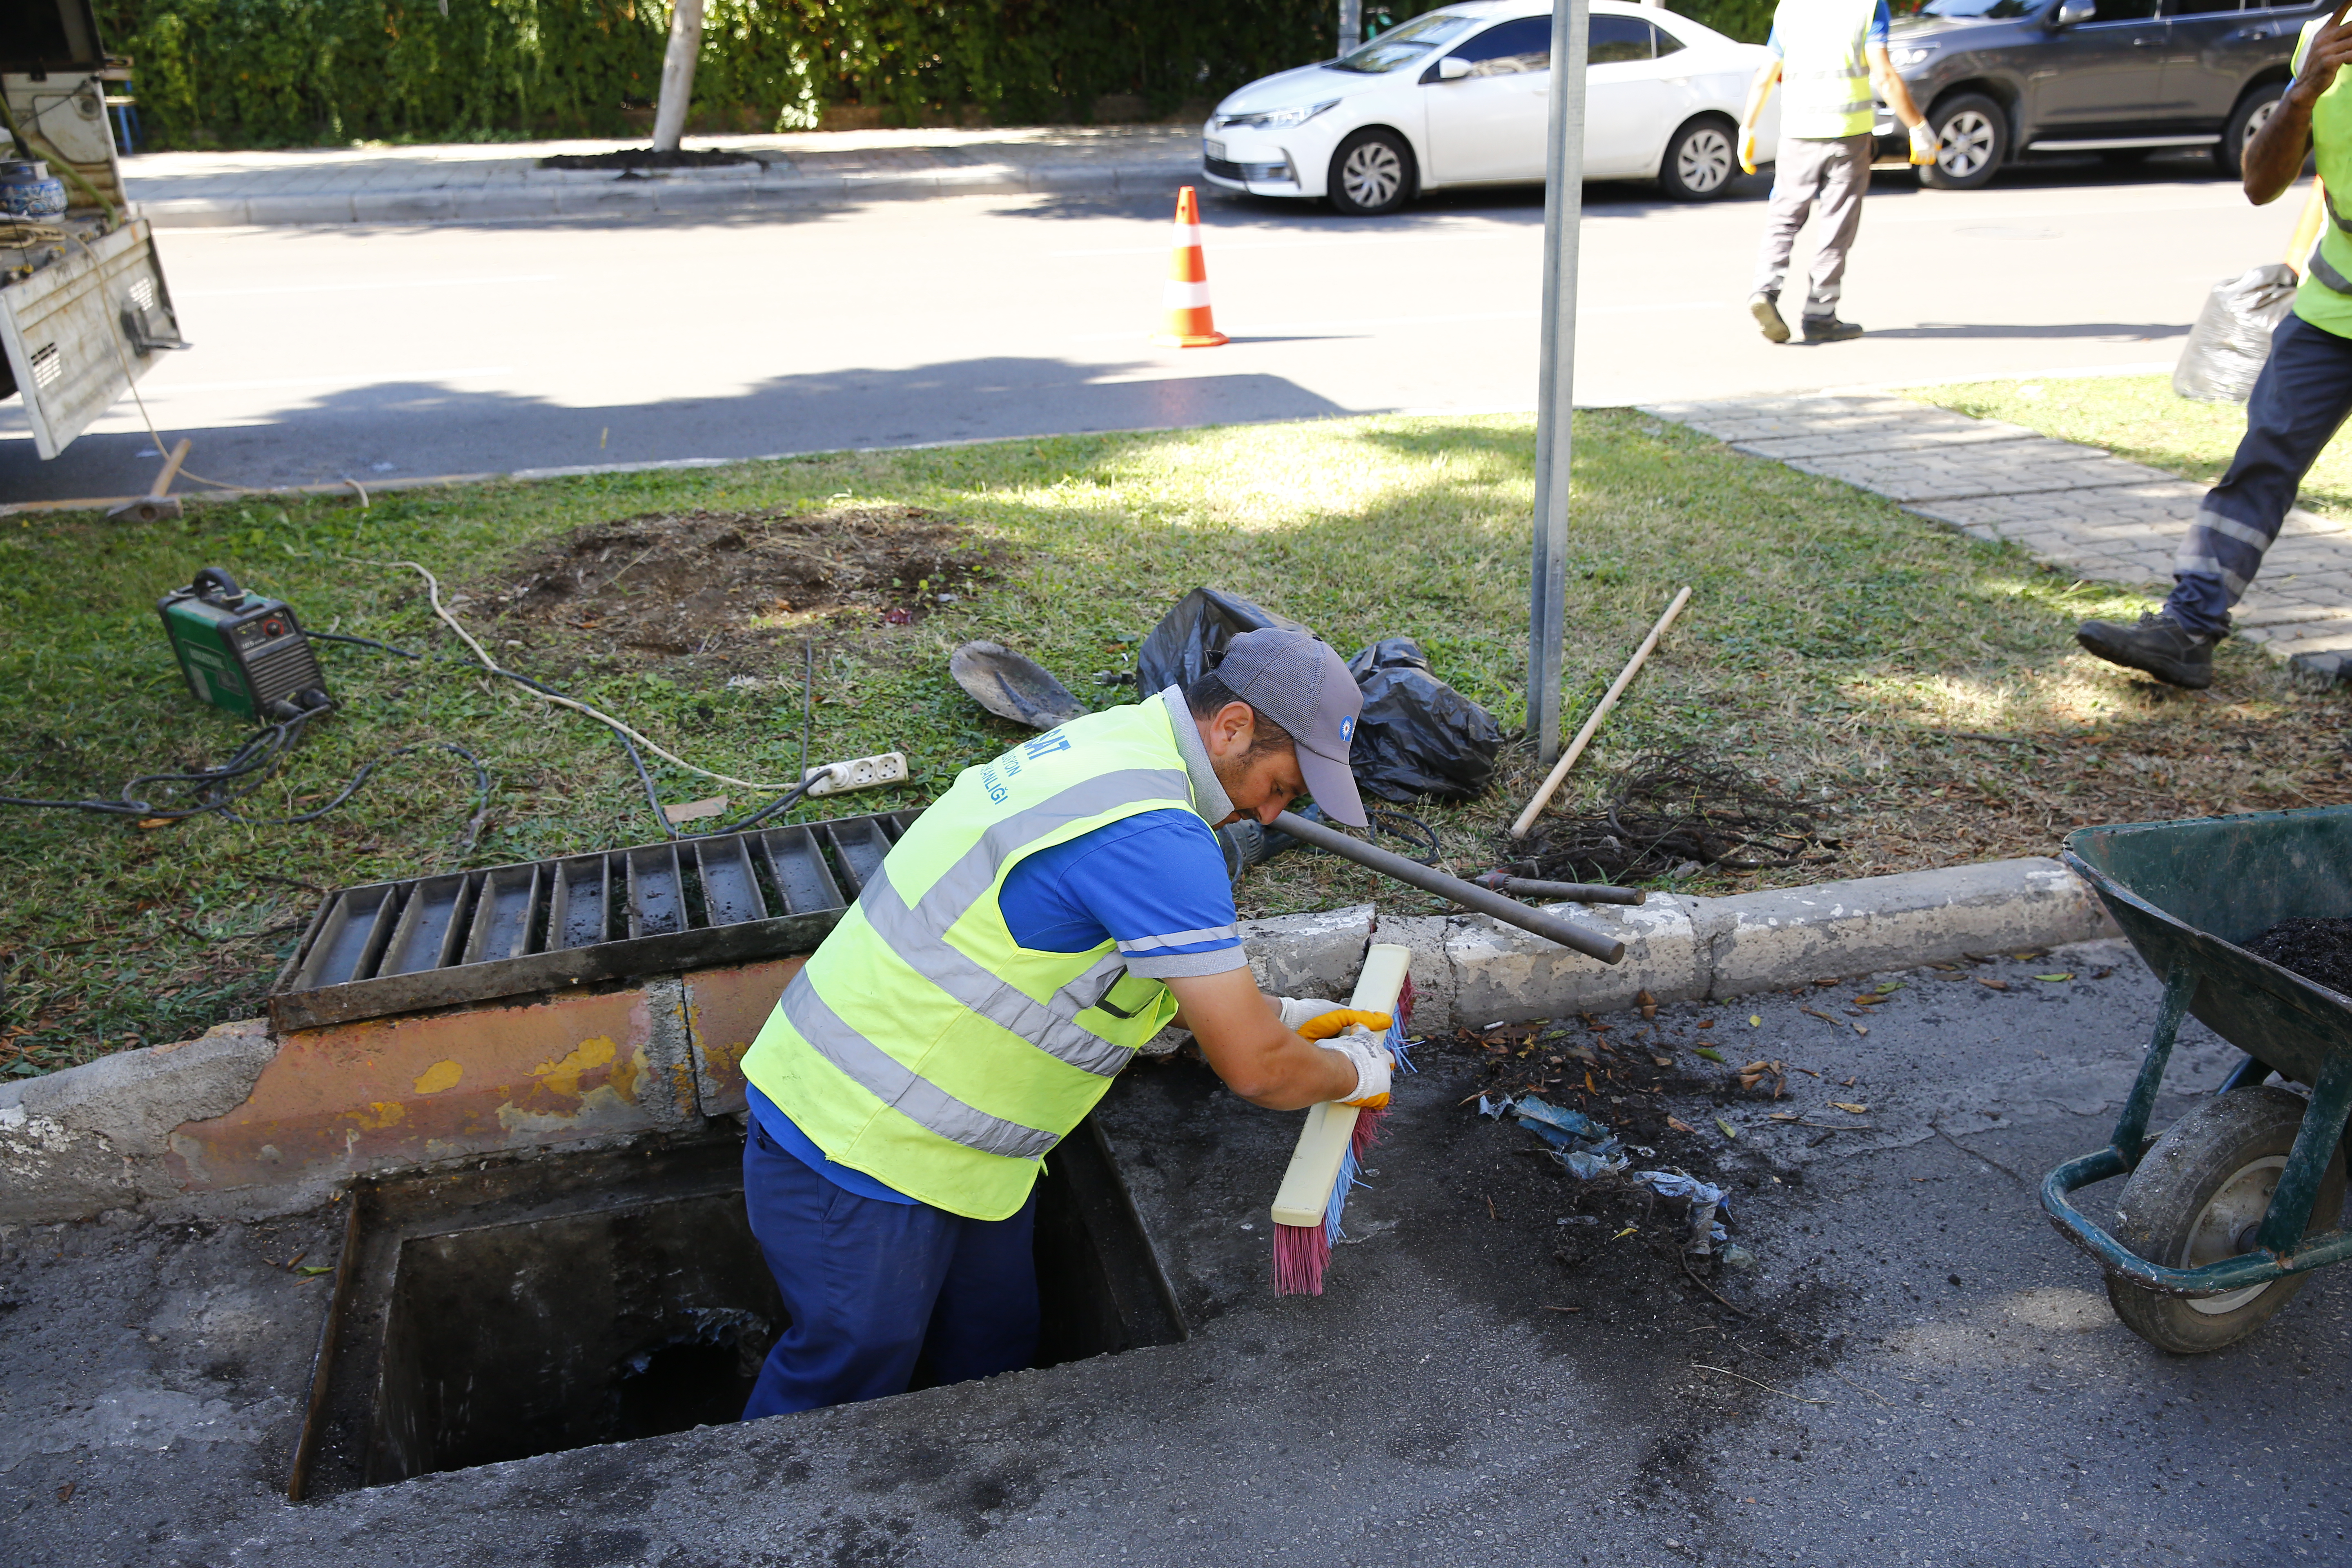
pixel 84 308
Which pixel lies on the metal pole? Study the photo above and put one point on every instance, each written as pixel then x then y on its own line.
pixel 1556 397
pixel 1351 26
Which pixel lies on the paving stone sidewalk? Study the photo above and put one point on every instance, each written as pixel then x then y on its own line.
pixel 2076 506
pixel 460 183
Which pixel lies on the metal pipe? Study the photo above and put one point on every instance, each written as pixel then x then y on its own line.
pixel 1556 396
pixel 1581 893
pixel 1469 895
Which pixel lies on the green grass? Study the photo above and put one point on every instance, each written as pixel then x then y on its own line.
pixel 1834 644
pixel 2141 418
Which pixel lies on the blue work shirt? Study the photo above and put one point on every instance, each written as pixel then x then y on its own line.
pixel 1154 883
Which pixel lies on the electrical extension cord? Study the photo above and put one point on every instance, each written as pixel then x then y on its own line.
pixel 858 773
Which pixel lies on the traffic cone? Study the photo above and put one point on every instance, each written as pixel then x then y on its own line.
pixel 1184 300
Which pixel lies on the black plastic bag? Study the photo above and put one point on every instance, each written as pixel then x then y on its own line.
pixel 1418 736
pixel 2231 338
pixel 1190 637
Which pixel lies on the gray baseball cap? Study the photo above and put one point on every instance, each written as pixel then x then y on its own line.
pixel 1300 683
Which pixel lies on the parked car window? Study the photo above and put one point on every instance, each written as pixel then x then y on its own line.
pixel 1522 45
pixel 1406 46
pixel 2198 8
pixel 1667 42
pixel 1988 10
pixel 1616 39
pixel 2123 11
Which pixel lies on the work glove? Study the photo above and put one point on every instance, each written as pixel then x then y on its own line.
pixel 1923 143
pixel 1318 1020
pixel 1372 1062
pixel 1747 149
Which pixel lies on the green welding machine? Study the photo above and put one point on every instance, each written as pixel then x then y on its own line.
pixel 240 651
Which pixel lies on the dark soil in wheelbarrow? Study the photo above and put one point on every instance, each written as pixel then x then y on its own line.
pixel 2317 949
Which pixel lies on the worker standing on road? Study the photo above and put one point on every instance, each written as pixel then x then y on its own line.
pixel 1829 54
pixel 1056 908
pixel 2299 400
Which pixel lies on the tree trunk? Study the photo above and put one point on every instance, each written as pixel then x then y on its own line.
pixel 677 73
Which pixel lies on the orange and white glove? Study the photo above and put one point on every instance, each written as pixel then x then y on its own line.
pixel 1748 149
pixel 1924 143
pixel 1327 1024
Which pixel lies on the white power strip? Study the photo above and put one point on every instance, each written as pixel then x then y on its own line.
pixel 858 773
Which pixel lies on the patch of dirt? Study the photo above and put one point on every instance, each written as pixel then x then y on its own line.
pixel 2317 948
pixel 674 584
pixel 646 158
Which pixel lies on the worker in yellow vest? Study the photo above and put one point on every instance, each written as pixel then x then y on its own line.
pixel 1058 907
pixel 1829 54
pixel 2299 401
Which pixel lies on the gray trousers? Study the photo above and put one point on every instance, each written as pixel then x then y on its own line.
pixel 1836 175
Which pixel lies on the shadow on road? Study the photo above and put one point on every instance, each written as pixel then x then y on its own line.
pixel 411 429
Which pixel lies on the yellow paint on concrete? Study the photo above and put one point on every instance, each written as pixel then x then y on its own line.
pixel 564 1077
pixel 380 1114
pixel 438 1077
pixel 623 1079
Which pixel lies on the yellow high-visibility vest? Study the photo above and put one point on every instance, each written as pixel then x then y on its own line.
pixel 1825 69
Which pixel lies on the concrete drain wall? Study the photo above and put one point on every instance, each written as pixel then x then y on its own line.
pixel 535 1306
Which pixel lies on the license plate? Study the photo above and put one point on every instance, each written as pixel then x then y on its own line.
pixel 1215 150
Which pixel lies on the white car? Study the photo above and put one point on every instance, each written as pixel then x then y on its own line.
pixel 1462 96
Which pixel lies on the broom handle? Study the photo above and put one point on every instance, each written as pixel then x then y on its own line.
pixel 1576 747
pixel 1469 895
pixel 1305 1191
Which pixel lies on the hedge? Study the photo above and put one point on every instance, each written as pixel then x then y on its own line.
pixel 261 73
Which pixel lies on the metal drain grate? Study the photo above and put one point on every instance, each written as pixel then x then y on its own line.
pixel 472 936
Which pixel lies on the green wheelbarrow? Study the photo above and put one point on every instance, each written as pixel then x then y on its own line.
pixel 2226 1214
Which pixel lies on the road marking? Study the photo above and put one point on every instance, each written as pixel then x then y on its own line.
pixel 370 287
pixel 356 378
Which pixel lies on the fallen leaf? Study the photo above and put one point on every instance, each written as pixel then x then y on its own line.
pixel 65 1492
pixel 1824 1017
pixel 1663 1061
pixel 1755 1020
pixel 1994 985
pixel 1625 1233
pixel 148 823
pixel 1859 1030
pixel 297 1257
pixel 2054 979
pixel 1707 1023
pixel 1858 1108
pixel 1889 987
pixel 1679 1125
pixel 1847 1084
pixel 1728 1129
pixel 316 1268
pixel 1869 999
pixel 1760 1065
pixel 1710 1053
pixel 1783 1116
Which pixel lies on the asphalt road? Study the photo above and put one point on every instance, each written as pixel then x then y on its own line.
pixel 1918 1372
pixel 399 353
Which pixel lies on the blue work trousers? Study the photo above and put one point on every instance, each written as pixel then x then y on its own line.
pixel 2301 397
pixel 873 1287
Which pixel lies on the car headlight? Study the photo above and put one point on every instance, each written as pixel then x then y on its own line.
pixel 1275 119
pixel 1904 60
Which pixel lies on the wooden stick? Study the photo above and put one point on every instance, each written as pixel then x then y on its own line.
pixel 162 485
pixel 1576 747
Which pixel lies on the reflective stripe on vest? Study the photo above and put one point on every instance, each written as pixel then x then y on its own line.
pixel 925 1046
pixel 2326 275
pixel 1825 68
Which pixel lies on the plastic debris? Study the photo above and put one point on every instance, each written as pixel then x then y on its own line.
pixel 2232 339
pixel 1584 1147
pixel 1738 1259
pixel 1707 1200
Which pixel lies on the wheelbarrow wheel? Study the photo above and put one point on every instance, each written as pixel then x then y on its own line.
pixel 2196 1198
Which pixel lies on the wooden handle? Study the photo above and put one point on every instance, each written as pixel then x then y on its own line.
pixel 1576 747
pixel 1306 1192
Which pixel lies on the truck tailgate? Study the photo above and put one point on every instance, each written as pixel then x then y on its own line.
pixel 79 329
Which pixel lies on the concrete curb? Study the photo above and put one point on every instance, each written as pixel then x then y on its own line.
pixel 132 1130
pixel 605 196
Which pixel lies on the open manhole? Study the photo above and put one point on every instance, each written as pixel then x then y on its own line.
pixel 550 1304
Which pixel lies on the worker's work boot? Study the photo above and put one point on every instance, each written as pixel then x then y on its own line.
pixel 1829 329
pixel 2158 645
pixel 1766 309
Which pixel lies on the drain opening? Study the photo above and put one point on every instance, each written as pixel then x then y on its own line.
pixel 600 1297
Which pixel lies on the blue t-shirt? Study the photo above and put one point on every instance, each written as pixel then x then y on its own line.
pixel 1154 883
pixel 1879 24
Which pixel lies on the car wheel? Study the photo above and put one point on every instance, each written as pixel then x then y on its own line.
pixel 1700 160
pixel 2253 113
pixel 1971 142
pixel 1371 174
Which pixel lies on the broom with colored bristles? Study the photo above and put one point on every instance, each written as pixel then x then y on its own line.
pixel 1331 1145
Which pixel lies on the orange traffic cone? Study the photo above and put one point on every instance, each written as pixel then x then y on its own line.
pixel 1186 297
